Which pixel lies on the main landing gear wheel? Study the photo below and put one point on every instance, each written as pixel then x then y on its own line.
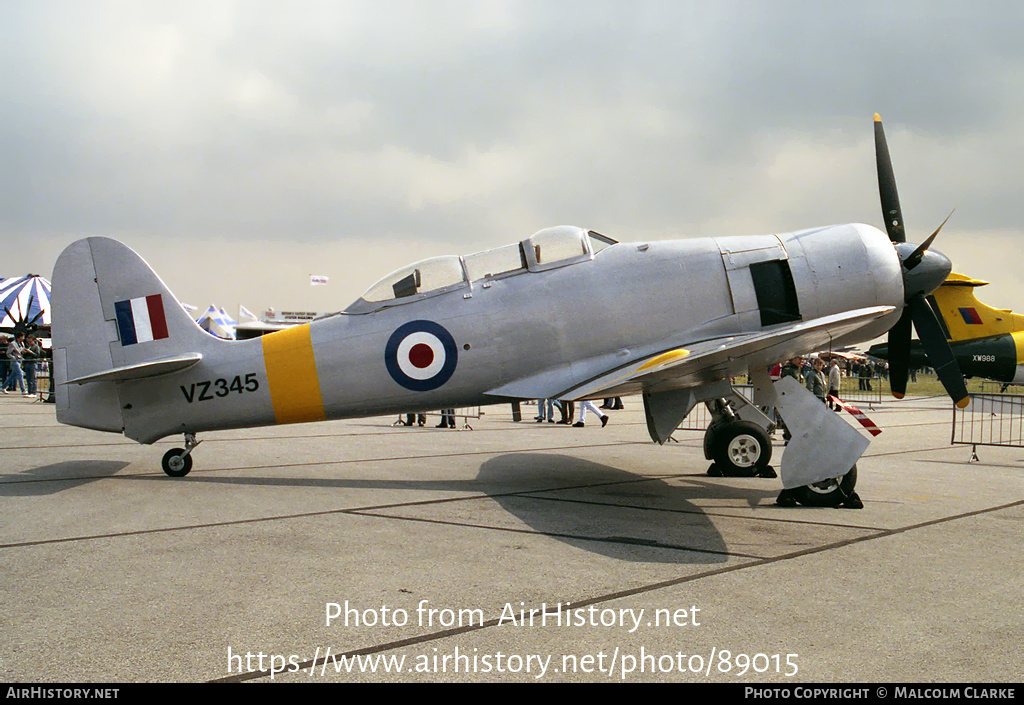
pixel 834 492
pixel 175 463
pixel 740 449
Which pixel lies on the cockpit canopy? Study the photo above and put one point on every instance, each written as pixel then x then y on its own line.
pixel 546 249
pixel 434 274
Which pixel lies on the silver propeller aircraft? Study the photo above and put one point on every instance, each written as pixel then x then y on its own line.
pixel 565 314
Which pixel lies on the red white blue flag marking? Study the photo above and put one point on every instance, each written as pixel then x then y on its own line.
pixel 141 320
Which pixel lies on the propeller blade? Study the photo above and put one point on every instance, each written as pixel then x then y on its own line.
pixel 891 213
pixel 915 257
pixel 899 355
pixel 940 355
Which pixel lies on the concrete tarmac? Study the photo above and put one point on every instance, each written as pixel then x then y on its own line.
pixel 359 551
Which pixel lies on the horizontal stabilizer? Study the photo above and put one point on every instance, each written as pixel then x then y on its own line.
pixel 142 369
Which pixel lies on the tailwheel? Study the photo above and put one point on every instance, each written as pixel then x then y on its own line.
pixel 175 463
pixel 740 449
pixel 834 492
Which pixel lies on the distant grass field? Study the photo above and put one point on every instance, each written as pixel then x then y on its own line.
pixel 927 385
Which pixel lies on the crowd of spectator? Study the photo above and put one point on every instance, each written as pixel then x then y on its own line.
pixel 20 357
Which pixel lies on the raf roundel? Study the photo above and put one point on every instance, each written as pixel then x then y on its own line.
pixel 421 356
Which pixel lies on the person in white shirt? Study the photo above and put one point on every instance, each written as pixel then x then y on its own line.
pixel 834 378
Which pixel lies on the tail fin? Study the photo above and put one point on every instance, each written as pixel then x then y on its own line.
pixel 965 317
pixel 112 320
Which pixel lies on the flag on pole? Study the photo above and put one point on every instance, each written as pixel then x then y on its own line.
pixel 245 315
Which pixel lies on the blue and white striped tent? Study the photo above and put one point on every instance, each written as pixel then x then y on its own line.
pixel 26 298
pixel 226 317
pixel 216 321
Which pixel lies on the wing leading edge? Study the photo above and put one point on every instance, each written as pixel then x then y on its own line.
pixel 687 363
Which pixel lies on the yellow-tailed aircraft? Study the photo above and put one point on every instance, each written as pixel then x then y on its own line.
pixel 986 342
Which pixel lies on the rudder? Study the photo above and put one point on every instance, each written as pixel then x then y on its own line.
pixel 112 318
pixel 965 317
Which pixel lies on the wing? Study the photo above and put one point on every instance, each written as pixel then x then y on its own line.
pixel 686 363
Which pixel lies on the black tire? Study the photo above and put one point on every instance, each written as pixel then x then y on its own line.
pixel 175 464
pixel 741 449
pixel 709 441
pixel 830 493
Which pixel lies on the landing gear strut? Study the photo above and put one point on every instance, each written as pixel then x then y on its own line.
pixel 177 462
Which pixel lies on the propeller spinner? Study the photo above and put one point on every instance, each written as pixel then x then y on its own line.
pixel 924 271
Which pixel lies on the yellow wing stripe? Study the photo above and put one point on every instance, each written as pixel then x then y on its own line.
pixel 670 356
pixel 291 375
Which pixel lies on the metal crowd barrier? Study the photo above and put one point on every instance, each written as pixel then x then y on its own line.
pixel 850 390
pixel 990 387
pixel 465 414
pixel 990 420
pixel 43 377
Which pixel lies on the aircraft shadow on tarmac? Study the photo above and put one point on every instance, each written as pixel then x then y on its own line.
pixel 57 477
pixel 594 507
pixel 605 510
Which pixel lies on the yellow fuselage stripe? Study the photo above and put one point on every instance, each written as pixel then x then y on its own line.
pixel 291 375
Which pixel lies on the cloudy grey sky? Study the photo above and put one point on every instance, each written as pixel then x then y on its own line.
pixel 241 146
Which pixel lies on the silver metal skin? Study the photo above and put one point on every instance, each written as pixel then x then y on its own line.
pixel 563 314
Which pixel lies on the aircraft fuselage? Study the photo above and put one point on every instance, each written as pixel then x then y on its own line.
pixel 566 321
pixel 996 357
